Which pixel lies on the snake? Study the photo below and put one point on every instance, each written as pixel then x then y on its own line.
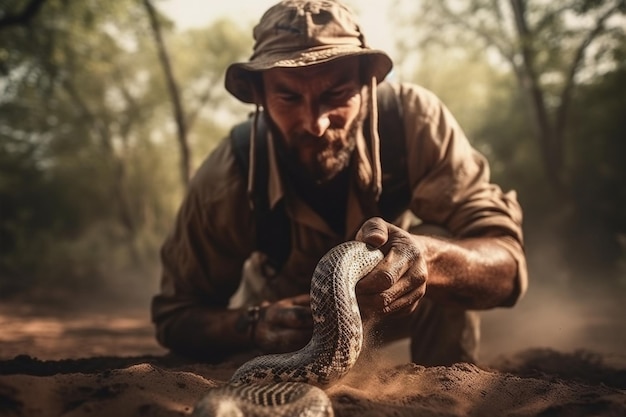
pixel 292 384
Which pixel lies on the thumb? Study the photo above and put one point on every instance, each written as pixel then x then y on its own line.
pixel 374 232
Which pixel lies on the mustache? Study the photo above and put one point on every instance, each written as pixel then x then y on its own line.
pixel 329 136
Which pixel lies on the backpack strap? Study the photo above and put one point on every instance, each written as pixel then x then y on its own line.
pixel 396 193
pixel 273 230
pixel 273 234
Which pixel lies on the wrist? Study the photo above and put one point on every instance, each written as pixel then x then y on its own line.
pixel 247 323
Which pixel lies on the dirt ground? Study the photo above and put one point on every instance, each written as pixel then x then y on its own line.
pixel 556 317
pixel 560 352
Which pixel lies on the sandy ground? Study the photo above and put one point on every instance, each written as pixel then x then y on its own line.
pixel 558 353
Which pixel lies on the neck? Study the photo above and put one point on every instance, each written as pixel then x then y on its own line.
pixel 329 199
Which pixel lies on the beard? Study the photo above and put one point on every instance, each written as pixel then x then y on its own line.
pixel 317 160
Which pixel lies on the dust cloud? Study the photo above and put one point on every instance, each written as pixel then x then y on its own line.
pixel 561 311
pixel 567 308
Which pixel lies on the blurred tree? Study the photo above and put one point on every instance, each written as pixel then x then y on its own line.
pixel 88 169
pixel 220 44
pixel 488 60
pixel 598 132
pixel 201 56
pixel 550 46
pixel 69 111
pixel 174 94
pixel 598 140
pixel 10 17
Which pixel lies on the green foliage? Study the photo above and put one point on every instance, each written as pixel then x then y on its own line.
pixel 88 157
pixel 470 52
pixel 598 135
pixel 211 110
pixel 550 47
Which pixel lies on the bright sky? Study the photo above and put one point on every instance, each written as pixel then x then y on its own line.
pixel 373 16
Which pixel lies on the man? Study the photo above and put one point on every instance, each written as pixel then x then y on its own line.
pixel 314 81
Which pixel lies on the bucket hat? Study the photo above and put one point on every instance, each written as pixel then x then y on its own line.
pixel 298 33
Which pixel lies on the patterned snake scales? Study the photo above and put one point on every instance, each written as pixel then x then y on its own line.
pixel 290 384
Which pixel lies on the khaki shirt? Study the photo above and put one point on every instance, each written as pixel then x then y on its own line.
pixel 215 232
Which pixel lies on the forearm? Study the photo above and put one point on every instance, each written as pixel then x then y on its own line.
pixel 475 273
pixel 204 333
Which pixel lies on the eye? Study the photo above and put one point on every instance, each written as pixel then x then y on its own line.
pixel 288 97
pixel 339 94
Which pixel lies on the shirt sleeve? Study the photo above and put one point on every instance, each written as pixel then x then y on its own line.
pixel 212 236
pixel 450 180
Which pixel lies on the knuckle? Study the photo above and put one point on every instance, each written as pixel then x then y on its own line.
pixel 386 277
pixel 418 294
pixel 412 253
pixel 406 251
pixel 417 280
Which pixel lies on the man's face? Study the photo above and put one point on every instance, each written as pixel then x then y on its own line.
pixel 316 111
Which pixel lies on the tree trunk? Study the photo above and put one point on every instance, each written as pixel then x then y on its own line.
pixel 24 17
pixel 177 105
pixel 549 142
pixel 119 191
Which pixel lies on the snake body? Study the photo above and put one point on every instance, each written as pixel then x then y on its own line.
pixel 291 384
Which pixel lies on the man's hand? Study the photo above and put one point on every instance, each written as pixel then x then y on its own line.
pixel 285 325
pixel 398 282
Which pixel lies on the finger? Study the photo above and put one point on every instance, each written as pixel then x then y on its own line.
pixel 302 300
pixel 405 294
pixel 412 282
pixel 290 340
pixel 283 340
pixel 401 256
pixel 405 304
pixel 291 317
pixel 370 305
pixel 374 232
pixel 387 272
pixel 380 279
pixel 401 287
pixel 386 301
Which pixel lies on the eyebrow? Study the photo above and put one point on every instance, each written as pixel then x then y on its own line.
pixel 281 87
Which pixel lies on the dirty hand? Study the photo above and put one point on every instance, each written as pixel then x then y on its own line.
pixel 284 326
pixel 398 282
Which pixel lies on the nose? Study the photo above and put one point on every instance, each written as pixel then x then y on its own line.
pixel 316 120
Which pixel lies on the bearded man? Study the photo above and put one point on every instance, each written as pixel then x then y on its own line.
pixel 315 165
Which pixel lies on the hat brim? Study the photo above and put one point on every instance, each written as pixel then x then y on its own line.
pixel 239 83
